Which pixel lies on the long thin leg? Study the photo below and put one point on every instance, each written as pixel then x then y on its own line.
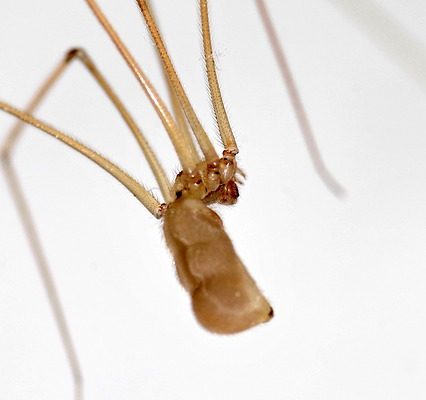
pixel 80 54
pixel 223 124
pixel 145 197
pixel 31 232
pixel 153 162
pixel 296 101
pixel 181 143
pixel 22 204
pixel 46 276
pixel 202 138
pixel 176 107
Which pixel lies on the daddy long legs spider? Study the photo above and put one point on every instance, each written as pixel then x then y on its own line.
pixel 131 350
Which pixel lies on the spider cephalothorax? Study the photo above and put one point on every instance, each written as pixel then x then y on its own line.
pixel 211 182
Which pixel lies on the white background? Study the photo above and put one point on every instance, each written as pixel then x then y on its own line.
pixel 346 278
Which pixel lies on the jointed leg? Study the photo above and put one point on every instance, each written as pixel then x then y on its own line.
pixel 299 110
pixel 146 198
pixel 202 138
pixel 5 157
pixel 181 143
pixel 46 276
pixel 224 126
pixel 177 110
pixel 80 54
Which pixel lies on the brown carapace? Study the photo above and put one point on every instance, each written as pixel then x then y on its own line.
pixel 225 298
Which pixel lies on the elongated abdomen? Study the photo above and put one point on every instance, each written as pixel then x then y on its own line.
pixel 225 298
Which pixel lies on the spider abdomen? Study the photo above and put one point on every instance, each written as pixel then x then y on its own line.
pixel 225 298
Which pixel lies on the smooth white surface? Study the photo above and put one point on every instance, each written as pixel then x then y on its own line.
pixel 346 278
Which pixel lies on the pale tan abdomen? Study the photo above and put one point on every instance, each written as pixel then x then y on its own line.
pixel 225 298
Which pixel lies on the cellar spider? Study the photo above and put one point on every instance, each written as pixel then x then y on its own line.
pixel 154 326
